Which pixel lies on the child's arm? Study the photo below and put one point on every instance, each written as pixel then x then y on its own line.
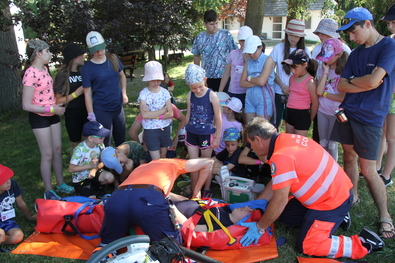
pixel 122 80
pixel 243 82
pixel 312 88
pixel 79 168
pixel 245 159
pixel 267 69
pixel 147 114
pixel 24 209
pixel 188 115
pixel 217 119
pixel 169 113
pixel 225 78
pixel 322 79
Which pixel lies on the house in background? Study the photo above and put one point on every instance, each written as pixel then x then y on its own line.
pixel 275 18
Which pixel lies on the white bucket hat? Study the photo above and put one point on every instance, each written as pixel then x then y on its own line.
pixel 327 26
pixel 153 71
pixel 95 41
pixel 295 27
pixel 251 44
pixel 244 32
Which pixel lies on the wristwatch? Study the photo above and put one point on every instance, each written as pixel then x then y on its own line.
pixel 351 78
pixel 260 229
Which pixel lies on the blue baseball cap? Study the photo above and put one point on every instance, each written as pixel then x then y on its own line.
pixel 231 135
pixel 95 128
pixel 110 160
pixel 356 14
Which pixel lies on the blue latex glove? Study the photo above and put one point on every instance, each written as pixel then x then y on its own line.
pixel 252 234
pixel 253 204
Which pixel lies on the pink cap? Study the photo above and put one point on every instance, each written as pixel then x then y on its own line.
pixel 330 48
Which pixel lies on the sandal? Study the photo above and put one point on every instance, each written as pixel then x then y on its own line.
pixel 388 231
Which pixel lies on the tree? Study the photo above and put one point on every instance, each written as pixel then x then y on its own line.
pixel 10 81
pixel 254 15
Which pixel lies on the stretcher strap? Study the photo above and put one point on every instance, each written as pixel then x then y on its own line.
pixel 207 216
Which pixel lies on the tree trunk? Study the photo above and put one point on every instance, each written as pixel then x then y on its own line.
pixel 165 58
pixel 10 80
pixel 254 15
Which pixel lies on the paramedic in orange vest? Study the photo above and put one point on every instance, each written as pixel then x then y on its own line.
pixel 321 189
pixel 140 199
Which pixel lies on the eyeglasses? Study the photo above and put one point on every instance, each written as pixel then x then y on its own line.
pixel 345 21
pixel 95 136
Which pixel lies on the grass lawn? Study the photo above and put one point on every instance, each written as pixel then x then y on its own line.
pixel 20 152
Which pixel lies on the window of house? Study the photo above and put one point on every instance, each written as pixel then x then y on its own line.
pixel 226 23
pixel 277 27
pixel 307 22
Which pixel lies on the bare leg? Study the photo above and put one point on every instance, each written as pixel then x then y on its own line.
pixel 72 146
pixel 43 137
pixel 383 144
pixel 249 117
pixel 155 154
pixel 289 128
pixel 57 152
pixel 163 152
pixel 390 134
pixel 206 153
pixel 301 132
pixel 193 152
pixel 350 159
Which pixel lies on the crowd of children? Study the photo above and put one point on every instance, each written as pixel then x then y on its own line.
pixel 288 85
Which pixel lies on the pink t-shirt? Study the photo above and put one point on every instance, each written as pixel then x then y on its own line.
pixel 299 96
pixel 176 114
pixel 326 105
pixel 236 61
pixel 42 83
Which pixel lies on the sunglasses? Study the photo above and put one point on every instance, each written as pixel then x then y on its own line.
pixel 345 21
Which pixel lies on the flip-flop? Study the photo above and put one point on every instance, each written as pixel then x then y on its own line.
pixel 387 230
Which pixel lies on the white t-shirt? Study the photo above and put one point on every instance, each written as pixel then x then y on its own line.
pixel 277 55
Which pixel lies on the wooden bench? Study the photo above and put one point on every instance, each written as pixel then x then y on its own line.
pixel 129 63
pixel 176 57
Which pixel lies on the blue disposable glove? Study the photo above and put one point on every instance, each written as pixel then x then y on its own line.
pixel 253 204
pixel 252 234
pixel 91 116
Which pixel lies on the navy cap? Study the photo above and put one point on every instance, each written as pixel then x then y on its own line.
pixel 94 128
pixel 298 56
pixel 356 14
pixel 390 15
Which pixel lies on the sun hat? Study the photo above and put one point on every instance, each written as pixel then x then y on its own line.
pixel 295 27
pixel 95 41
pixel 222 97
pixel 330 48
pixel 5 174
pixel 298 56
pixel 356 14
pixel 327 26
pixel 153 71
pixel 234 104
pixel 95 128
pixel 251 44
pixel 231 134
pixel 109 158
pixel 390 15
pixel 244 32
pixel 71 51
pixel 194 74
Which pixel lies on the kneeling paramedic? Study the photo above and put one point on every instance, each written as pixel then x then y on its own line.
pixel 142 199
pixel 320 189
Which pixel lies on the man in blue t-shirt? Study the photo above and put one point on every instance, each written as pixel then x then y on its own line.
pixel 212 47
pixel 368 80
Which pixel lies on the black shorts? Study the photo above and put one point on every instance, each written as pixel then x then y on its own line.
pixel 300 119
pixel 155 139
pixel 196 140
pixel 87 186
pixel 37 121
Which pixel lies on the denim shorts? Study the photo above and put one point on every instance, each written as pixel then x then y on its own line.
pixel 255 103
pixel 8 224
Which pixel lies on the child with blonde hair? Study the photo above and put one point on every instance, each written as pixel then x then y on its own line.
pixel 204 120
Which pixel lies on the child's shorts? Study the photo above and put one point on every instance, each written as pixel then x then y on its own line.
pixel 87 186
pixel 8 224
pixel 37 121
pixel 300 119
pixel 201 141
pixel 155 139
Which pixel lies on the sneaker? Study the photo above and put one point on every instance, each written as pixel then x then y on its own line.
pixel 51 195
pixel 346 224
pixel 387 182
pixel 64 188
pixel 371 240
pixel 207 194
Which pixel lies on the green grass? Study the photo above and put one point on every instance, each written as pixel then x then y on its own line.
pixel 20 152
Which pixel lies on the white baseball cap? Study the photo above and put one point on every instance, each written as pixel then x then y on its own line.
pixel 234 104
pixel 244 32
pixel 153 71
pixel 95 41
pixel 251 44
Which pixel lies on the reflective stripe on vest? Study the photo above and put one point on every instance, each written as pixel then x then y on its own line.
pixel 334 247
pixel 314 178
pixel 347 247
